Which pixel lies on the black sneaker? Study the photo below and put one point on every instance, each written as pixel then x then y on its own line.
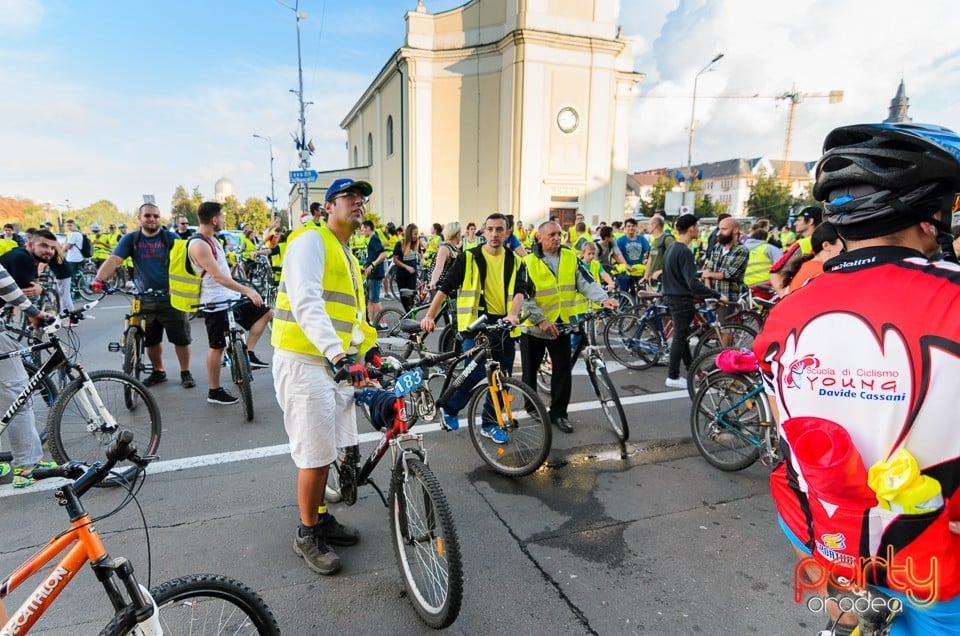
pixel 255 362
pixel 186 380
pixel 155 377
pixel 219 396
pixel 335 533
pixel 315 551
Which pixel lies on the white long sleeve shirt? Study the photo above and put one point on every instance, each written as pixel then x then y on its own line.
pixel 303 267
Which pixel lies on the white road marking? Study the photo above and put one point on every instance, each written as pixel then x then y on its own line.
pixel 215 459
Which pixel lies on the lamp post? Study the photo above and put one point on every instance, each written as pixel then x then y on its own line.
pixel 273 195
pixel 60 213
pixel 693 110
pixel 304 153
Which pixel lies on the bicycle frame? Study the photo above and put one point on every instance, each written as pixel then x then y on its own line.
pixel 766 423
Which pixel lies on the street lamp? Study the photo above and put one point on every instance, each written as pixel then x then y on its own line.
pixel 273 195
pixel 304 153
pixel 693 110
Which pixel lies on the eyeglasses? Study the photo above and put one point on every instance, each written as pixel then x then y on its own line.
pixel 353 196
pixel 182 223
pixel 151 216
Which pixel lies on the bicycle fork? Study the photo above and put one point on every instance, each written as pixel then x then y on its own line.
pixel 94 410
pixel 144 607
pixel 504 411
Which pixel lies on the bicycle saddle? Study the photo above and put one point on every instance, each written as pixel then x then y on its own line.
pixel 410 326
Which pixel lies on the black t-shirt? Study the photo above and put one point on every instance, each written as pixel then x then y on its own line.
pixel 405 279
pixel 19 264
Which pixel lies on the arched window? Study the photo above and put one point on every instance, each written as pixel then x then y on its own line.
pixel 389 135
pixel 356 162
pixel 369 149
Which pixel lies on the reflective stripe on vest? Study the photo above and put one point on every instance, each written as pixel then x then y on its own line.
pixel 344 307
pixel 556 296
pixel 468 297
pixel 758 266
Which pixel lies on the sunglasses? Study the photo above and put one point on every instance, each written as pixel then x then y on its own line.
pixel 151 216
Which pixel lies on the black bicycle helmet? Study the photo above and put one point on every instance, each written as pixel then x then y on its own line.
pixel 887 176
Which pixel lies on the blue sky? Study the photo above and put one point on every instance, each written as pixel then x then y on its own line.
pixel 114 100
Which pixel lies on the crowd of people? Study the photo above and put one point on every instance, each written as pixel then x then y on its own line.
pixel 865 287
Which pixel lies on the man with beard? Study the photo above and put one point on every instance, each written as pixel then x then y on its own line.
pixel 321 340
pixel 726 265
pixel 21 262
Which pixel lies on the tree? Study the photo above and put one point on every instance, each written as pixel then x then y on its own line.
pixel 183 205
pixel 256 213
pixel 703 204
pixel 231 208
pixel 654 202
pixel 770 199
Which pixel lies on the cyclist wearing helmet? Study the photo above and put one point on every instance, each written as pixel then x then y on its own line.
pixel 864 363
pixel 101 245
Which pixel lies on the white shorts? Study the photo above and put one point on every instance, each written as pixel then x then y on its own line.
pixel 319 414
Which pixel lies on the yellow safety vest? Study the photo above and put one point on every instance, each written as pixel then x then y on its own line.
pixel 575 238
pixel 788 238
pixel 276 260
pixel 345 305
pixel 430 252
pixel 556 296
pixel 806 245
pixel 758 266
pixel 101 246
pixel 468 244
pixel 468 297
pixel 594 267
pixel 248 247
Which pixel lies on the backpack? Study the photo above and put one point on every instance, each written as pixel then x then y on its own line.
pixel 86 249
pixel 184 281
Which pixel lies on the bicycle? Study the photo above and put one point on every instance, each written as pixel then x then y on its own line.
pixel 237 357
pixel 194 604
pixel 529 439
pixel 596 370
pixel 135 362
pixel 90 411
pixel 639 338
pixel 400 344
pixel 425 540
pixel 80 282
pixel 732 422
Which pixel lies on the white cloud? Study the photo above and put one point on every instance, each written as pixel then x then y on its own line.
pixel 19 17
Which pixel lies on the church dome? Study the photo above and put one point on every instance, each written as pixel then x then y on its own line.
pixel 224 188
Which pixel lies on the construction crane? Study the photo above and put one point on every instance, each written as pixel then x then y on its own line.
pixel 794 97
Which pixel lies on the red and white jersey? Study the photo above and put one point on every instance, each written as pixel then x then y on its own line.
pixel 873 344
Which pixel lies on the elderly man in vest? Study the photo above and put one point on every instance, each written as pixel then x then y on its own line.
pixel 489 281
pixel 321 341
pixel 555 276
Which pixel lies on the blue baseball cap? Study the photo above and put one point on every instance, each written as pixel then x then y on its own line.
pixel 342 185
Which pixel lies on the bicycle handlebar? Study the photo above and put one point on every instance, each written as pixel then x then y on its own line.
pixel 222 304
pixel 86 476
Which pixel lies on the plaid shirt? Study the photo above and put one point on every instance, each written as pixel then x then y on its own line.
pixel 733 263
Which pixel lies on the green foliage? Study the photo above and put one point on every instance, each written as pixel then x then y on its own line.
pixel 703 204
pixel 654 202
pixel 231 207
pixel 770 199
pixel 183 205
pixel 370 215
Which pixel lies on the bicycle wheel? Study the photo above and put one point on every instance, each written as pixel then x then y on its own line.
pixel 77 430
pixel 203 604
pixel 83 287
pixel 49 301
pixel 242 376
pixel 41 399
pixel 624 300
pixel 609 399
pixel 529 437
pixel 425 543
pixel 545 374
pixel 701 367
pixel 633 341
pixel 448 339
pixel 726 422
pixel 131 341
pixel 736 337
pixel 389 318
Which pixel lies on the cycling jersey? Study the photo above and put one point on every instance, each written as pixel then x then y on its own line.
pixel 873 345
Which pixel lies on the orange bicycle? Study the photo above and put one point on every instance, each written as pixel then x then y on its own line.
pixel 196 604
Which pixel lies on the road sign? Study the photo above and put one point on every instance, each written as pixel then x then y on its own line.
pixel 303 176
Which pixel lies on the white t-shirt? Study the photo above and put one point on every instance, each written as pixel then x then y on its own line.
pixel 210 290
pixel 74 254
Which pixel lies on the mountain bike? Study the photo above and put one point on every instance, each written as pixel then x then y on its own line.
pixel 195 604
pixel 425 540
pixel 90 411
pixel 397 343
pixel 237 358
pixel 41 400
pixel 638 338
pixel 732 423
pixel 135 362
pixel 529 437
pixel 596 370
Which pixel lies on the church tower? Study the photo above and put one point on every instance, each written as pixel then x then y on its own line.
pixel 898 107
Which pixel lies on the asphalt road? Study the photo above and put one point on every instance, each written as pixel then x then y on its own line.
pixel 656 542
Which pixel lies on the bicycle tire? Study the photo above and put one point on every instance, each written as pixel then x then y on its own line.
pixel 701 367
pixel 49 301
pixel 633 341
pixel 242 375
pixel 624 300
pixel 530 439
pixel 389 318
pixel 41 399
pixel 545 374
pixel 83 288
pixel 741 338
pixel 448 338
pixel 751 318
pixel 202 604
pixel 728 445
pixel 130 342
pixel 68 436
pixel 609 399
pixel 425 543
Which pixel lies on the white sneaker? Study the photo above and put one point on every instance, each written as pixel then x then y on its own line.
pixel 676 383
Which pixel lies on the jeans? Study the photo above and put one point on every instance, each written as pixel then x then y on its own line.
pixel 504 353
pixel 681 312
pixel 560 377
pixel 21 434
